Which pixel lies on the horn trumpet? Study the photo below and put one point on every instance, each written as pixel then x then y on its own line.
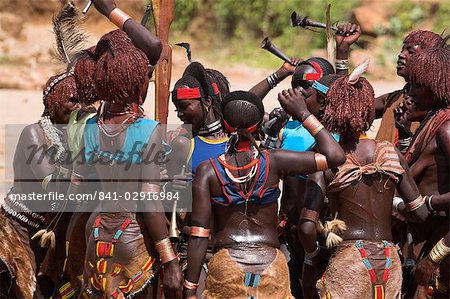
pixel 267 45
pixel 174 234
pixel 298 20
pixel 86 8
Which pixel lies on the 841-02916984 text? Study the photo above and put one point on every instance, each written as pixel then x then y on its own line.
pixel 138 196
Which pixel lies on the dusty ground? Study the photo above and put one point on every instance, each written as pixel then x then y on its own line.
pixel 25 106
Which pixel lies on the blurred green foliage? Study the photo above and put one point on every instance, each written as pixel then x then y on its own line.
pixel 230 31
pixel 240 25
pixel 441 20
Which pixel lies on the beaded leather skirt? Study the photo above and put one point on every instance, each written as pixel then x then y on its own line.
pixel 362 269
pixel 118 263
pixel 255 272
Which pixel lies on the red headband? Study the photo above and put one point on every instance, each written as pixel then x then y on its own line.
pixel 316 76
pixel 230 129
pixel 216 88
pixel 194 92
pixel 188 93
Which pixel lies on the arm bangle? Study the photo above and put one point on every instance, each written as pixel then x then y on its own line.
pixel 415 204
pixel 439 252
pixel 321 162
pixel 118 17
pixel 312 125
pixel 428 203
pixel 395 202
pixel 310 215
pixel 315 252
pixel 272 80
pixel 165 250
pixel 201 232
pixel 150 188
pixel 190 285
pixel 341 64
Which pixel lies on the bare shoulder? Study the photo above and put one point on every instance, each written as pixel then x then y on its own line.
pixel 205 171
pixel 443 137
pixel 443 132
pixel 32 133
pixel 181 143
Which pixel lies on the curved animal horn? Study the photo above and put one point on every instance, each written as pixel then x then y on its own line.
pixel 267 45
pixel 298 20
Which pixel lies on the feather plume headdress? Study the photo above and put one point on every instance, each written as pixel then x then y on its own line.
pixel 69 41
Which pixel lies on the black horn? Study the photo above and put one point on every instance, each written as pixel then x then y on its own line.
pixel 298 20
pixel 267 45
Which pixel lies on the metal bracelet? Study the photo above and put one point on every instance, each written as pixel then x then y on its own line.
pixel 269 141
pixel 341 64
pixel 272 80
pixel 314 253
pixel 428 203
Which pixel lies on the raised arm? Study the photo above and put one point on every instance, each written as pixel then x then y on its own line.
pixel 330 154
pixel 139 35
pixel 200 220
pixel 345 37
pixel 262 88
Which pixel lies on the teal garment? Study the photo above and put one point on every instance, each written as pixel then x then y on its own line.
pixel 75 130
pixel 136 139
pixel 295 137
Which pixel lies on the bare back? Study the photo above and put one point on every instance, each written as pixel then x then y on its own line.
pixel 365 204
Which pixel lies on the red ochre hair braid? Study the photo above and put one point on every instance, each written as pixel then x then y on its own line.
pixel 58 95
pixel 84 78
pixel 424 38
pixel 348 106
pixel 120 74
pixel 431 68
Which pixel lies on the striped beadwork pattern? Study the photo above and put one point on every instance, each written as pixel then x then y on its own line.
pixel 378 288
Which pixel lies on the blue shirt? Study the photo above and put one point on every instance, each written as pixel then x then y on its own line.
pixel 295 137
pixel 203 149
pixel 136 139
